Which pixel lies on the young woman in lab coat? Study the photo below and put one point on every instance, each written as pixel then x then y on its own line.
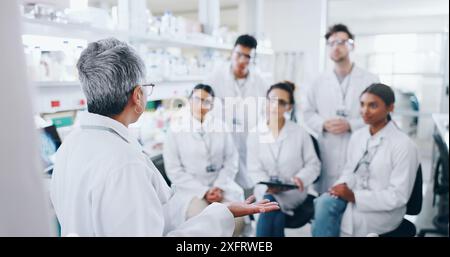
pixel 200 157
pixel 104 183
pixel 376 184
pixel 282 150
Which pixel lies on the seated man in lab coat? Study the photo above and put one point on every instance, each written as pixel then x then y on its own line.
pixel 378 178
pixel 103 183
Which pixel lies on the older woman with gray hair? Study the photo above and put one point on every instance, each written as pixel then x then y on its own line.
pixel 103 182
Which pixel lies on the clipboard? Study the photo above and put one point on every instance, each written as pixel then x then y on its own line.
pixel 278 184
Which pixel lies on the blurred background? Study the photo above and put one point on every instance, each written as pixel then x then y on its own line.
pixel 404 42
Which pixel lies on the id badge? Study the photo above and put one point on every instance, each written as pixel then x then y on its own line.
pixel 211 168
pixel 342 112
pixel 364 175
pixel 275 179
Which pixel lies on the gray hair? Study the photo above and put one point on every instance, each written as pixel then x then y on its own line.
pixel 109 70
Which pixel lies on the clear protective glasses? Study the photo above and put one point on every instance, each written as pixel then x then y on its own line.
pixel 340 42
pixel 205 103
pixel 276 101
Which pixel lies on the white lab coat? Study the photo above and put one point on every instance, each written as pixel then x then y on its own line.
pixel 186 159
pixel 103 185
pixel 222 80
pixel 380 208
pixel 297 158
pixel 24 206
pixel 322 101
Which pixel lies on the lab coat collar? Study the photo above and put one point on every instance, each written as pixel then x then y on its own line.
pixel 375 140
pixel 284 132
pixel 355 73
pixel 250 74
pixel 287 128
pixel 92 119
pixel 198 126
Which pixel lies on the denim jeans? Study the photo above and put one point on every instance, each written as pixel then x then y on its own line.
pixel 328 212
pixel 271 224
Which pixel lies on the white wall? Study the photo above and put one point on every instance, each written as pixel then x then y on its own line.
pixel 298 25
pixel 391 25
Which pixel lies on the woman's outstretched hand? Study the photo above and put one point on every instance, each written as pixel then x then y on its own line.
pixel 248 207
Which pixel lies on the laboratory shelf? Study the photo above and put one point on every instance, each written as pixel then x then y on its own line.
pixel 68 95
pixel 90 33
pixel 78 31
pixel 87 32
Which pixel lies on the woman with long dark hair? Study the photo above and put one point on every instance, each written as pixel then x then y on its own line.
pixel 376 184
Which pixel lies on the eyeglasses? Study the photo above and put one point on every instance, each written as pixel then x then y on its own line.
pixel 149 91
pixel 205 103
pixel 150 88
pixel 340 42
pixel 240 55
pixel 280 102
